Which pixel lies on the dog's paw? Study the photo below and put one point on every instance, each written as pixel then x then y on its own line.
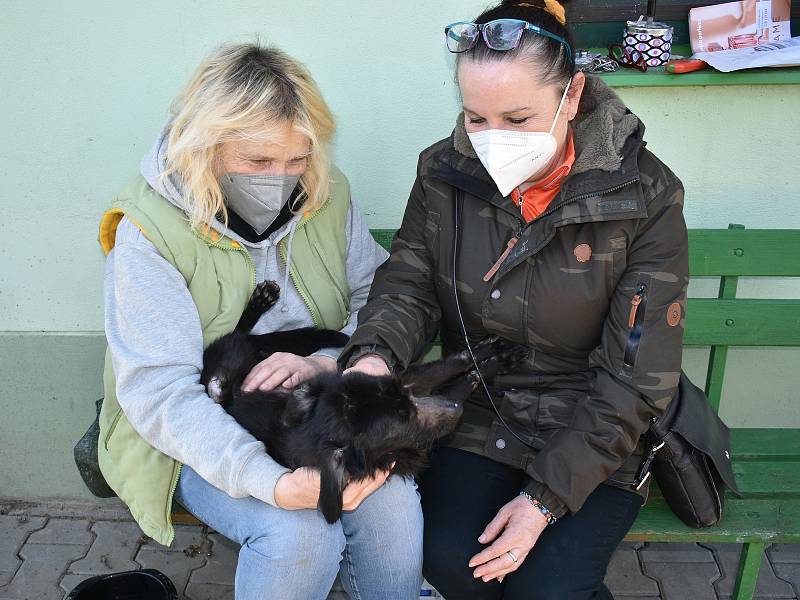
pixel 511 355
pixel 485 348
pixel 505 356
pixel 265 296
pixel 214 388
pixel 474 379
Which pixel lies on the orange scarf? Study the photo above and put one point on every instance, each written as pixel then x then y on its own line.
pixel 538 197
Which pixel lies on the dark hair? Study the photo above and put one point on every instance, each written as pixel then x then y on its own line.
pixel 549 56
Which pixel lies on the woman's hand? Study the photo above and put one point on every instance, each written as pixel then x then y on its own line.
pixel 369 364
pixel 358 491
pixel 521 524
pixel 288 370
pixel 300 489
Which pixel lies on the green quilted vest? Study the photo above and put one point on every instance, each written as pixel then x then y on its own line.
pixel 220 276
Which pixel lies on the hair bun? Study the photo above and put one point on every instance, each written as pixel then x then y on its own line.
pixel 557 10
pixel 552 7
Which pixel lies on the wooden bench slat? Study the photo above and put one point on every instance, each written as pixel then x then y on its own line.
pixel 771 520
pixel 181 517
pixel 775 444
pixel 760 478
pixel 710 321
pixel 383 237
pixel 753 252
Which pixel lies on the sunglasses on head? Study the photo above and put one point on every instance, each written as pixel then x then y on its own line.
pixel 500 34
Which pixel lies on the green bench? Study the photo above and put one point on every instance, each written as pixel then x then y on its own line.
pixel 766 461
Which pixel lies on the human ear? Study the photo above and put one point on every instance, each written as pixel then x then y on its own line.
pixel 574 95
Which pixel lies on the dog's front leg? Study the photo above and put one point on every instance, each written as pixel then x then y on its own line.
pixel 262 299
pixel 460 389
pixel 424 378
pixel 493 356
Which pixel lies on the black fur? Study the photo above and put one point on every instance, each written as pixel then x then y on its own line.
pixel 349 427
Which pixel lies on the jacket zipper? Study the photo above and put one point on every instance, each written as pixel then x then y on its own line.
pixel 587 195
pixel 248 258
pixel 635 324
pixel 522 225
pixel 509 247
pixel 175 478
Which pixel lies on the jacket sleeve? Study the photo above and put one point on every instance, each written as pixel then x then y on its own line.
pixel 402 312
pixel 626 391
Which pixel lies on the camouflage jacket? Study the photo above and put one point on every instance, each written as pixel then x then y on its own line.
pixel 595 286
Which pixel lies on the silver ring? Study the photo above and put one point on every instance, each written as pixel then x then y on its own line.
pixel 512 555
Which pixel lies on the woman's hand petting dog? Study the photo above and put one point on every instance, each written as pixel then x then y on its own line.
pixel 369 364
pixel 521 524
pixel 300 489
pixel 286 369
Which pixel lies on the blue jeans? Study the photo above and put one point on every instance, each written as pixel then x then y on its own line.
pixel 286 554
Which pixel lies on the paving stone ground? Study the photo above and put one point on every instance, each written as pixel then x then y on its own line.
pixel 47 549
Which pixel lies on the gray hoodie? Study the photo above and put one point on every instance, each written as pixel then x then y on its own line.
pixel 156 342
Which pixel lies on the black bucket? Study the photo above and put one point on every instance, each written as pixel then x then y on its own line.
pixel 147 584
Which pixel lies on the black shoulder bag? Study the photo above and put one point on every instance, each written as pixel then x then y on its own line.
pixel 690 456
pixel 85 453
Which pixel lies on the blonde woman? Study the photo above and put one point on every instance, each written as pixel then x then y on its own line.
pixel 237 189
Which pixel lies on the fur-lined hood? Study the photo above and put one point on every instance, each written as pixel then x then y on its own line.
pixel 599 134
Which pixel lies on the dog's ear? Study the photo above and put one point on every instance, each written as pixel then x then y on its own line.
pixel 299 406
pixel 333 479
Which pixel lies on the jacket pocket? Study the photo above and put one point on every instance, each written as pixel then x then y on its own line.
pixel 504 447
pixel 112 427
pixel 636 324
pixel 511 440
pixel 342 295
pixel 520 407
pixel 556 409
pixel 531 419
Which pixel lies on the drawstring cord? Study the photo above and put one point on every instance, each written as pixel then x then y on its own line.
pixel 284 295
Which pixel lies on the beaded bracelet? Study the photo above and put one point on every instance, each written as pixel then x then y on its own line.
pixel 551 518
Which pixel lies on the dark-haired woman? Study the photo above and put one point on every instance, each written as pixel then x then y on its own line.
pixel 543 219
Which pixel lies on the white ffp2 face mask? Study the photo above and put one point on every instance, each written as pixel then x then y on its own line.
pixel 513 157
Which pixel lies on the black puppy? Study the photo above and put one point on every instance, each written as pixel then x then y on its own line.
pixel 349 427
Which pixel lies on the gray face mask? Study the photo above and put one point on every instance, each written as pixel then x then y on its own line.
pixel 257 198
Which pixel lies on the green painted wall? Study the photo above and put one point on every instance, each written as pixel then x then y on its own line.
pixel 86 86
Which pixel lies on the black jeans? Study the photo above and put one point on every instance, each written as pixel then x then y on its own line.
pixel 462 492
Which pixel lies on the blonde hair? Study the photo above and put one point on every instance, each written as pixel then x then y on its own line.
pixel 245 91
